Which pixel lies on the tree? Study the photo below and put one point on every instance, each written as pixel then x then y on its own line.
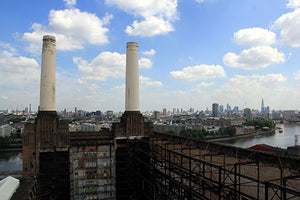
pixel 260 123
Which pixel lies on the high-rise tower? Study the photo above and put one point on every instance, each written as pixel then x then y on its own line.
pixel 215 110
pixel 262 106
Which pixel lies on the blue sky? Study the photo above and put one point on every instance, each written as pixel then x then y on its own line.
pixel 192 52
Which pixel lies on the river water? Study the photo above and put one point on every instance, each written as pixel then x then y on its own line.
pixel 284 139
pixel 12 160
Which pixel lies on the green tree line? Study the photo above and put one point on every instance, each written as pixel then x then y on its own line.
pixel 199 134
pixel 260 123
pixel 12 139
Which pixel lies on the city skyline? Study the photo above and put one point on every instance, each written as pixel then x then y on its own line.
pixel 177 110
pixel 189 56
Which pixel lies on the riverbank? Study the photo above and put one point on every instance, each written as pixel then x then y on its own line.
pixel 10 147
pixel 227 138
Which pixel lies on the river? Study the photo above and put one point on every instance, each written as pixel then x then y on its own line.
pixel 284 139
pixel 11 160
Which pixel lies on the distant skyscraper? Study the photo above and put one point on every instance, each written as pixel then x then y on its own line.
pixel 236 109
pixel 75 110
pixel 99 114
pixel 262 106
pixel 29 108
pixel 156 115
pixel 174 111
pixel 267 109
pixel 164 112
pixel 26 110
pixel 228 108
pixel 221 108
pixel 215 110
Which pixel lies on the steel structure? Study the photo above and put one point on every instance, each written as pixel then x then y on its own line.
pixel 171 167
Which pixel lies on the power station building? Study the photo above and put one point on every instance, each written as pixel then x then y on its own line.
pixel 133 162
pixel 82 165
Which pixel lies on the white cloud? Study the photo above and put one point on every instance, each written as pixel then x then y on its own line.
pixel 149 27
pixel 254 37
pixel 290 29
pixel 198 87
pixel 35 38
pixel 270 78
pixel 297 75
pixel 151 52
pixel 71 27
pixel 145 63
pixel 70 3
pixel 248 84
pixel 205 84
pixel 251 88
pixel 7 46
pixel 17 71
pixel 80 81
pixel 293 4
pixel 94 88
pixel 147 82
pixel 199 72
pixel 105 65
pixel 119 87
pixel 157 15
pixel 19 79
pixel 80 24
pixel 179 93
pixel 254 58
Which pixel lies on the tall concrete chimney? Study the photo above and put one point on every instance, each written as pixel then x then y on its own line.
pixel 132 122
pixel 47 92
pixel 132 78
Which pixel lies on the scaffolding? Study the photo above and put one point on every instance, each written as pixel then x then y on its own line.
pixel 178 168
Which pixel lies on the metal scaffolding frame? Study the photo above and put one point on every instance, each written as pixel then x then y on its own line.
pixel 168 168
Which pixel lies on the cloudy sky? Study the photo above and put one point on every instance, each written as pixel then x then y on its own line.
pixel 192 53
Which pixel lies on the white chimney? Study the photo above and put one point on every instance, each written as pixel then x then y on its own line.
pixel 47 93
pixel 132 78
